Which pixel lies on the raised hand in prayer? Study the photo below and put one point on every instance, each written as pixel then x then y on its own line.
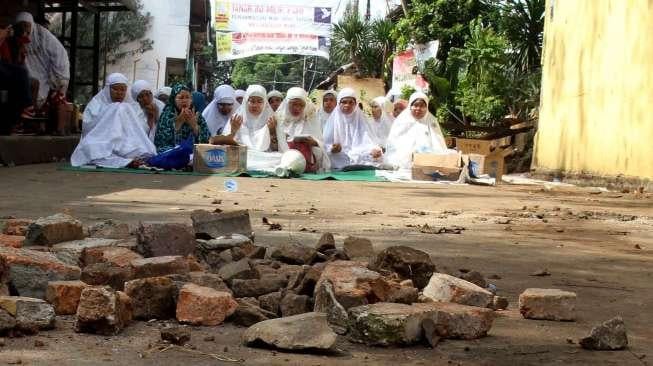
pixel 336 148
pixel 272 123
pixel 376 153
pixel 236 121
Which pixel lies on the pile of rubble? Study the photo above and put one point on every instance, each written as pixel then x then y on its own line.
pixel 291 296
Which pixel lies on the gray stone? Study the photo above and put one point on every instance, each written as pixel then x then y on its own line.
pixel 29 271
pixel 214 225
pixel 159 266
pixel 271 302
pixel 292 253
pixel 409 263
pixel 326 302
pixel 248 313
pixel 178 335
pixel 222 242
pixel 326 242
pixel 293 304
pixel 358 248
pixel 610 335
pixel 110 229
pixel 547 304
pixel 7 321
pixel 385 324
pixel 152 298
pixel 241 270
pixel 475 278
pixel 53 229
pixel 446 288
pixel 308 331
pixel 165 239
pixel 352 282
pixel 306 285
pixel 247 250
pixel 70 252
pixel 499 303
pixel 456 321
pixel 31 314
pixel 257 287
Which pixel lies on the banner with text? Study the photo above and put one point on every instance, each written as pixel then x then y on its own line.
pixel 249 27
pixel 404 72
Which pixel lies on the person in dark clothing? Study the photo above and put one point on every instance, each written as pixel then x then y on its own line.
pixel 15 92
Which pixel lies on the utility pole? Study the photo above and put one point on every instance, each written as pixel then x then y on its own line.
pixel 304 74
pixel 367 12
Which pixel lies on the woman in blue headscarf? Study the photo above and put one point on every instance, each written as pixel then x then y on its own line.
pixel 180 120
pixel 199 101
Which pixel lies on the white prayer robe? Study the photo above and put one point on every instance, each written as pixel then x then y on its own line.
pixel 215 120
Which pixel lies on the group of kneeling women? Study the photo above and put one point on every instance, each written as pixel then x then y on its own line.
pixel 122 126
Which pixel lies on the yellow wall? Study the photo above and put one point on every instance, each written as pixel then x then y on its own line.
pixel 596 111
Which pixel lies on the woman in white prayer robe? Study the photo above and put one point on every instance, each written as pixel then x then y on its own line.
pixel 329 103
pixel 298 128
pixel 240 95
pixel 415 130
pixel 346 135
pixel 220 110
pixel 152 108
pixel 381 121
pixel 275 98
pixel 254 126
pixel 113 135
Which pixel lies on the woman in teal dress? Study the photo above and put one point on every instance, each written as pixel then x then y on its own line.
pixel 179 120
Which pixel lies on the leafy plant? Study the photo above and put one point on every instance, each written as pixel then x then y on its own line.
pixel 522 22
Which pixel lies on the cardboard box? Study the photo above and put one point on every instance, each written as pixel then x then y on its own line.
pixel 435 167
pixel 493 164
pixel 219 159
pixel 481 147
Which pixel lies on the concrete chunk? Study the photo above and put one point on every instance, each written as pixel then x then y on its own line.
pixel 547 304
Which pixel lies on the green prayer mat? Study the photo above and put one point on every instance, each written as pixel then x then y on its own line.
pixel 354 176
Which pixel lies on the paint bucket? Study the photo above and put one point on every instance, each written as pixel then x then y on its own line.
pixel 292 163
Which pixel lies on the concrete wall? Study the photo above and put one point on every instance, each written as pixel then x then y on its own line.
pixel 169 31
pixel 596 112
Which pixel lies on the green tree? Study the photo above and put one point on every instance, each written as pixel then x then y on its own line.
pixel 272 71
pixel 522 22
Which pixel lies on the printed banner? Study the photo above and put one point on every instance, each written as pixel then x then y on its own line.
pixel 250 27
pixel 404 72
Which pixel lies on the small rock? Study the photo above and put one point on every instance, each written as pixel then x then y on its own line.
pixel 499 303
pixel 494 277
pixel 165 239
pixel 385 324
pixel 100 274
pixel 220 224
pixel 637 246
pixel 70 252
pixel 159 266
pixel 294 254
pixel 12 241
pixel 152 297
pixel 30 314
pixel 358 248
pixel 241 270
pixel 7 323
pixel 39 343
pixel 326 242
pixel 248 313
pixel 352 282
pixel 54 229
pixel 293 304
pixel 117 256
pixel 64 296
pixel 446 288
pixel 409 263
pixel 271 302
pixel 475 278
pixel 209 339
pixel 326 302
pixel 110 229
pixel 204 306
pixel 257 287
pixel 547 304
pixel 430 332
pixel 16 227
pixel 247 250
pixel 541 273
pixel 178 335
pixel 503 221
pixel 308 331
pixel 610 335
pixel 103 310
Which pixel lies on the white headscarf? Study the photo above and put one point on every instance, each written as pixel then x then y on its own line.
pixel 380 128
pixel 241 93
pixel 350 131
pixel 254 131
pixel 322 115
pixel 410 135
pixel 47 59
pixel 165 90
pixel 136 89
pixel 275 93
pixel 112 132
pixel 224 94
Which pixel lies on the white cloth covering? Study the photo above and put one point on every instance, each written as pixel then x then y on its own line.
pixel 411 135
pixel 380 128
pixel 322 115
pixel 254 132
pixel 275 93
pixel 165 90
pixel 306 124
pixel 241 93
pixel 351 132
pixel 112 132
pixel 136 89
pixel 47 59
pixel 215 120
